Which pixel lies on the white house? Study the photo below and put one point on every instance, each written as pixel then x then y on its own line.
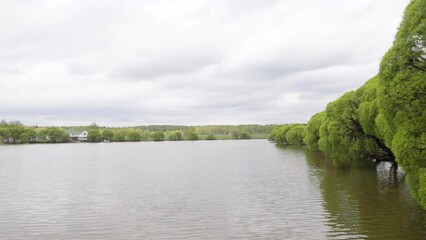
pixel 79 137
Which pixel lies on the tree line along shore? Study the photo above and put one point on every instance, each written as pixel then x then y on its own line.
pixel 17 133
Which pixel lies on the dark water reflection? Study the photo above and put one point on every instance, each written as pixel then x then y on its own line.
pixel 367 201
pixel 197 190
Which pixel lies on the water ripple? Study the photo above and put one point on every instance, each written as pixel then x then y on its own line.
pixel 195 190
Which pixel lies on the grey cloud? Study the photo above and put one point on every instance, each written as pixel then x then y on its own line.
pixel 294 62
pixel 150 65
pixel 82 69
pixel 11 70
pixel 71 114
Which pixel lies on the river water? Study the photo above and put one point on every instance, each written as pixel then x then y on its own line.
pixel 246 189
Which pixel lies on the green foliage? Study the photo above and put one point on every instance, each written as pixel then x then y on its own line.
pixel 236 134
pixel 157 136
pixel 1 140
pixel 32 134
pixel 145 135
pixel 192 136
pixel 295 135
pixel 229 129
pixel 273 134
pixel 177 132
pixel 402 97
pixel 94 135
pixel 56 135
pixel 42 135
pixel 245 135
pixel 107 135
pixel 312 131
pixel 241 135
pixel 5 133
pixel 279 134
pixel 120 135
pixel 341 136
pixel 15 132
pixel 24 137
pixel 368 110
pixel 133 136
pixel 211 137
pixel 420 190
pixel 175 136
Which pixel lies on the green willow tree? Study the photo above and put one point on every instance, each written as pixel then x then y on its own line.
pixel 157 136
pixel 133 136
pixel 175 136
pixel 192 136
pixel 107 135
pixel 386 118
pixel 94 135
pixel 402 97
pixel 56 135
pixel 211 137
pixel 295 135
pixel 312 131
pixel 279 134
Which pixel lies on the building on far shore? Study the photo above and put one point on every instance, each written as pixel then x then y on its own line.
pixel 79 137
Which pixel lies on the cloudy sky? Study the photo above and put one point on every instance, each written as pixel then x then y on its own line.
pixel 136 62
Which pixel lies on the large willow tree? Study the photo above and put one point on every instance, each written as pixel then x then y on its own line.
pixel 386 118
pixel 402 97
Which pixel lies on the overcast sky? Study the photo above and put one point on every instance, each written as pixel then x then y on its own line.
pixel 192 62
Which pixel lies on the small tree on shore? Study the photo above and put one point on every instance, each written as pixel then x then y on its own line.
pixel 94 136
pixel 157 136
pixel 107 135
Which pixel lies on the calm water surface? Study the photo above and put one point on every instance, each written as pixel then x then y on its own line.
pixel 198 190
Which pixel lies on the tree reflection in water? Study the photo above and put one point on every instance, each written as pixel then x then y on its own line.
pixel 367 200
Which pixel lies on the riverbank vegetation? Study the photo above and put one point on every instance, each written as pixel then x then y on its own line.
pixel 383 120
pixel 17 133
